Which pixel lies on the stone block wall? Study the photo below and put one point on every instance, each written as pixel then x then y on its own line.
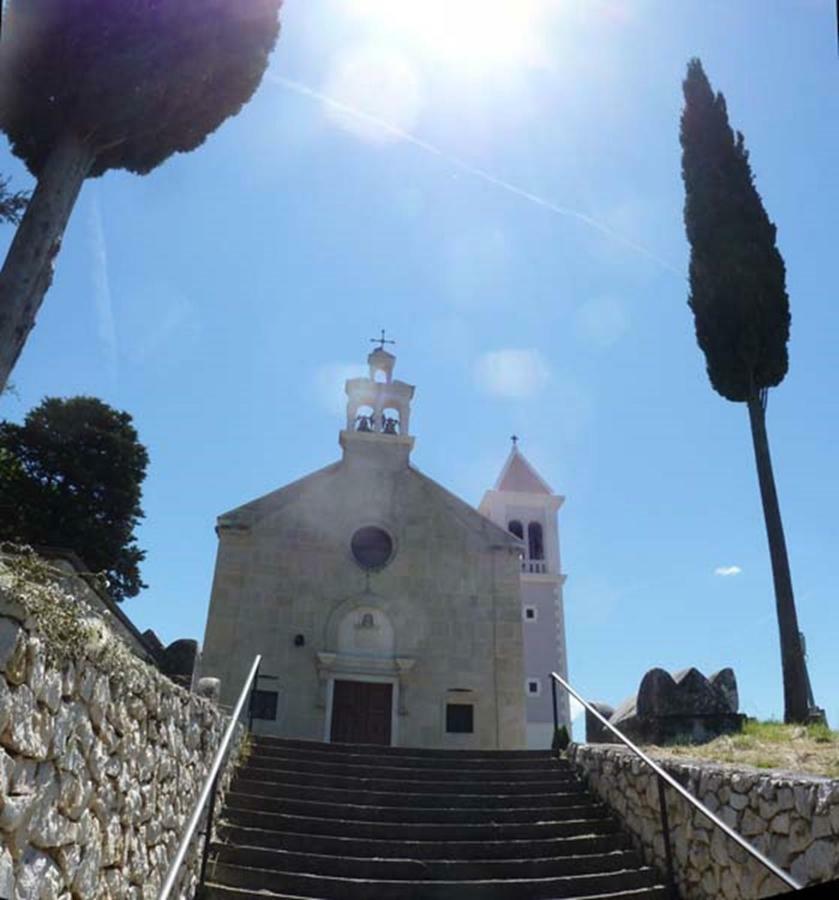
pixel 792 819
pixel 101 757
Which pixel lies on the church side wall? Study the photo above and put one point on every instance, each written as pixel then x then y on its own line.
pixel 101 761
pixel 283 587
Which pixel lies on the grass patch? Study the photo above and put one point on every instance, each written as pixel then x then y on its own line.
pixel 810 749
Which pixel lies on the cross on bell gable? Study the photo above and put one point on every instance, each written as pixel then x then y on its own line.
pixel 381 341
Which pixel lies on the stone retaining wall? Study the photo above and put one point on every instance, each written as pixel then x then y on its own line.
pixel 792 819
pixel 101 761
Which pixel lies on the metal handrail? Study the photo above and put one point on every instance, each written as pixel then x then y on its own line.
pixel 664 777
pixel 208 792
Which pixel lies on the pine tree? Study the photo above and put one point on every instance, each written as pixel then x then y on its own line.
pixel 741 313
pixel 92 85
pixel 70 477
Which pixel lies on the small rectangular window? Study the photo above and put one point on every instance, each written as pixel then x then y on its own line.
pixel 530 613
pixel 460 718
pixel 264 705
pixel 533 687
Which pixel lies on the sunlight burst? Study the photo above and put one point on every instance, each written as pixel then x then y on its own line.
pixel 469 33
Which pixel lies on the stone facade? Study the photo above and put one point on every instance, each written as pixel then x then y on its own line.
pixel 100 766
pixel 792 819
pixel 439 621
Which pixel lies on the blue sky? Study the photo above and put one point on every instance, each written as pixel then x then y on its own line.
pixel 504 196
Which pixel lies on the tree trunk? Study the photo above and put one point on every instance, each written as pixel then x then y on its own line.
pixel 796 706
pixel 27 272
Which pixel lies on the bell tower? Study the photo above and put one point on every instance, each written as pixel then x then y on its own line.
pixel 378 410
pixel 524 504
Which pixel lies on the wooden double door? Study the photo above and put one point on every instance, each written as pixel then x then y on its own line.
pixel 361 712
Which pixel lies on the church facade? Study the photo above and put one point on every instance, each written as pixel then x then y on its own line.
pixel 386 609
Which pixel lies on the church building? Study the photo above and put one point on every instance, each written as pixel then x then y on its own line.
pixel 386 609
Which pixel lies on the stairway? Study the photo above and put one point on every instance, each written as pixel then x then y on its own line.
pixel 360 822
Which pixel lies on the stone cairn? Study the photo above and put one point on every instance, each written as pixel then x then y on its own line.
pixel 685 706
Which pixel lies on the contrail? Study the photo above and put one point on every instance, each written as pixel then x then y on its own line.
pixel 106 328
pixel 300 88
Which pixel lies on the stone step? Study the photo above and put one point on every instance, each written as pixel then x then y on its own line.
pixel 379 750
pixel 586 808
pixel 359 766
pixel 330 888
pixel 510 800
pixel 415 831
pixel 546 783
pixel 407 869
pixel 220 892
pixel 424 849
pixel 366 760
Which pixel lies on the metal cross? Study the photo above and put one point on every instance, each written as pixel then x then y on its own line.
pixel 515 439
pixel 381 341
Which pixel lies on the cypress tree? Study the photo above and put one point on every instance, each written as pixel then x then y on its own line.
pixel 741 312
pixel 92 85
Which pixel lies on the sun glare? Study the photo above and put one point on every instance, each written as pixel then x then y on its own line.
pixel 469 33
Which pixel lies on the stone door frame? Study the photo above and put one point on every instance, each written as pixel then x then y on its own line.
pixel 345 667
pixel 392 680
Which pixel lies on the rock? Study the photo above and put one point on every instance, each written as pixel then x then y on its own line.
pixel 719 849
pixel 780 823
pixel 834 819
pixel 75 792
pixel 68 858
pixel 729 816
pixel 7 873
pixel 99 700
pixel 13 812
pixel 86 682
pixel 779 850
pixel 90 832
pixel 5 703
pixel 786 799
pixel 38 878
pixel 23 777
pixel 699 857
pixel 751 824
pixel 68 681
pixel 112 845
pixel 821 826
pixel 728 886
pixel 800 835
pixel 738 801
pixel 86 879
pixel 47 827
pixel 816 863
pixel 29 732
pixel 12 650
pixel 742 783
pixel 35 666
pixel 117 883
pixel 710 882
pixel 50 694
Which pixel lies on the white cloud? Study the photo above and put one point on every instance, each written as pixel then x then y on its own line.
pixel 576 709
pixel 512 373
pixel 329 385
pixel 725 571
